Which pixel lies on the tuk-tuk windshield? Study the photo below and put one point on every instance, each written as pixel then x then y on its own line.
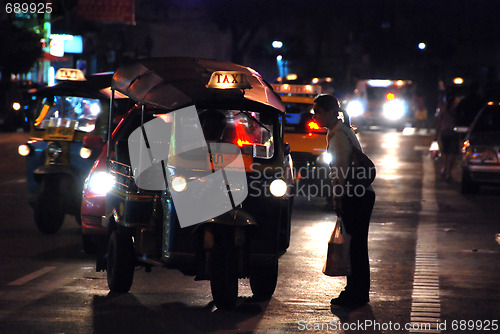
pixel 250 130
pixel 76 112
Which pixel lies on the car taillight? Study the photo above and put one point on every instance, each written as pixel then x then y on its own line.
pixel 312 126
pixel 482 155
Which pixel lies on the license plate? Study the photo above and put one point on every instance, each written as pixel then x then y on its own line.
pixel 60 133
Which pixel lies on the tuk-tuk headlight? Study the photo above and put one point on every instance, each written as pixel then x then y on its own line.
pixel 85 153
pixel 179 183
pixel 278 188
pixel 101 182
pixel 54 150
pixel 24 150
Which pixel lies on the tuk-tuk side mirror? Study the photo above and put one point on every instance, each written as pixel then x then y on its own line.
pixel 286 149
pixel 94 142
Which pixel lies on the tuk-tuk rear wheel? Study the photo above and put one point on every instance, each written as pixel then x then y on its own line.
pixel 223 276
pixel 120 262
pixel 49 206
pixel 263 281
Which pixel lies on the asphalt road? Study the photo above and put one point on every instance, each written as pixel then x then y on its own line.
pixel 433 253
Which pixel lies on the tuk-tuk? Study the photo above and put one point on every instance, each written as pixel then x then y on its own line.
pixel 196 177
pixel 57 162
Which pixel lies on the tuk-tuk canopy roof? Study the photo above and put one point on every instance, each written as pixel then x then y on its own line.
pixel 176 82
pixel 94 86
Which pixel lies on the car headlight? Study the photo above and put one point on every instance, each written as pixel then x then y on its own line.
pixel 394 109
pixel 54 150
pixel 278 188
pixel 179 183
pixel 101 182
pixel 355 108
pixel 24 150
pixel 325 158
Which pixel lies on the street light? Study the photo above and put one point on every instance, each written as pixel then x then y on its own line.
pixel 280 62
pixel 422 45
pixel 277 44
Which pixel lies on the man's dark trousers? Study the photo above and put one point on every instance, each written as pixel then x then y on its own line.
pixel 357 211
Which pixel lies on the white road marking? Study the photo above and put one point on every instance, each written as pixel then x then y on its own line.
pixel 426 300
pixel 32 276
pixel 20 180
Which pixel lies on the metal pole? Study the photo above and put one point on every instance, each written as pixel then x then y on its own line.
pixel 110 121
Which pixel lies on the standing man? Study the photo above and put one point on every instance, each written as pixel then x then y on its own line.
pixel 354 207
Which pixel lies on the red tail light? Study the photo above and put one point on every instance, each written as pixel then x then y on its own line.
pixel 241 142
pixel 312 126
pixel 242 138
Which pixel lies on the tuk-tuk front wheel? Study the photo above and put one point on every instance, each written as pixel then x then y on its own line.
pixel 120 262
pixel 223 276
pixel 49 206
pixel 263 280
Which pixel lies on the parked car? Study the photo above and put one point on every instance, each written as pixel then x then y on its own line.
pixel 481 150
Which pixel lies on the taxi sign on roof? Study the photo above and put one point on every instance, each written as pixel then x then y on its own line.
pixel 228 80
pixel 297 89
pixel 70 74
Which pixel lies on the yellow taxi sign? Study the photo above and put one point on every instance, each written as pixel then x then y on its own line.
pixel 228 80
pixel 296 89
pixel 70 74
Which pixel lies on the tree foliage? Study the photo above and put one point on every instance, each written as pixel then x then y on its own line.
pixel 20 48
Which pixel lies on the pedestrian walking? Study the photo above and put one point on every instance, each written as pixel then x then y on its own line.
pixel 448 138
pixel 355 209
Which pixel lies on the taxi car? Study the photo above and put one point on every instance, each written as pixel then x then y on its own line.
pixel 194 178
pixel 307 140
pixel 481 150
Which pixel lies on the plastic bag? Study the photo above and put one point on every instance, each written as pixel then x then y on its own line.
pixel 338 258
pixel 434 150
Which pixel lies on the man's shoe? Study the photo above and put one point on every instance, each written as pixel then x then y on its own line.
pixel 349 301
